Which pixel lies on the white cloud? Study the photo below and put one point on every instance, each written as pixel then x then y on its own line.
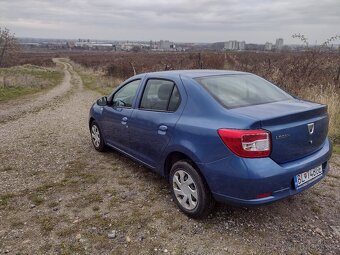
pixel 201 20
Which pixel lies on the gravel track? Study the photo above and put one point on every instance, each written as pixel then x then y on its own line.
pixel 59 196
pixel 18 108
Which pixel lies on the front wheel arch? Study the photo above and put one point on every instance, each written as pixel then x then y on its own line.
pixel 102 145
pixel 90 122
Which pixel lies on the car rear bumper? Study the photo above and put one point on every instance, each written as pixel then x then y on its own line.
pixel 238 181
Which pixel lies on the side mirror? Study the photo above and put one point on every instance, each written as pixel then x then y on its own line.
pixel 102 101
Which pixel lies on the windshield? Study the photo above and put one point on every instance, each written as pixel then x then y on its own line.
pixel 237 90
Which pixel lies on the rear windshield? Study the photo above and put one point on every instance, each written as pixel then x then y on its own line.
pixel 238 90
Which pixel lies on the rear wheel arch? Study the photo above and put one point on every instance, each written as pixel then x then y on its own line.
pixel 172 158
pixel 195 206
pixel 176 156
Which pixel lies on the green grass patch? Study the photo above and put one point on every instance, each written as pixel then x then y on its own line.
pixel 12 92
pixel 19 81
pixel 336 149
pixel 76 173
pixel 36 199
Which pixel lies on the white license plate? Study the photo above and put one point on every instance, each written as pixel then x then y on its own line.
pixel 304 178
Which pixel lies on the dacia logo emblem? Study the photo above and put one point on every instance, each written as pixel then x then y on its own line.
pixel 310 128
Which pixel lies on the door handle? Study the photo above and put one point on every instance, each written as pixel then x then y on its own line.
pixel 124 120
pixel 163 128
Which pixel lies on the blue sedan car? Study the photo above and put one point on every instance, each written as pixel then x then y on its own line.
pixel 216 135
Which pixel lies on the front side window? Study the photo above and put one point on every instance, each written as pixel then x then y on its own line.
pixel 238 90
pixel 160 95
pixel 125 96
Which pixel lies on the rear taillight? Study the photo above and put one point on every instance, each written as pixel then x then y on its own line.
pixel 247 143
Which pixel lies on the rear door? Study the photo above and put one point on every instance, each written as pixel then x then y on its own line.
pixel 152 123
pixel 116 116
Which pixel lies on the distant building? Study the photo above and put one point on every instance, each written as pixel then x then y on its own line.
pixel 165 45
pixel 254 47
pixel 217 46
pixel 268 46
pixel 101 46
pixel 127 46
pixel 242 45
pixel 235 45
pixel 231 45
pixel 279 44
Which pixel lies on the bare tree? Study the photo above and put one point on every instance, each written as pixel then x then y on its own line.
pixel 8 46
pixel 314 55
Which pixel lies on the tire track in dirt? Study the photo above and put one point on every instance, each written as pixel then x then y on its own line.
pixel 18 108
pixel 42 135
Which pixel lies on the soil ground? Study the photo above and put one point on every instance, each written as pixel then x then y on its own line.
pixel 59 196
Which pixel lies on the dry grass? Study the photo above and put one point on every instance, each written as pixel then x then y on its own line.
pixel 330 96
pixel 96 79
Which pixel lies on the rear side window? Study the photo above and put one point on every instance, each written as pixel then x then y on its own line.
pixel 160 95
pixel 238 90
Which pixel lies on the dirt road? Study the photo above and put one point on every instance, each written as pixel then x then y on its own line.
pixel 59 196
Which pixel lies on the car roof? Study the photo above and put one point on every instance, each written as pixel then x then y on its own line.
pixel 194 73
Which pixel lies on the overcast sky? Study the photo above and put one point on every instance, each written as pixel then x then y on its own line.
pixel 182 21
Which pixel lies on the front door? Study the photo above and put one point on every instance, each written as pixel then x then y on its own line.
pixel 116 116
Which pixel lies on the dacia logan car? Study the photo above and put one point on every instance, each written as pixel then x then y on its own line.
pixel 216 135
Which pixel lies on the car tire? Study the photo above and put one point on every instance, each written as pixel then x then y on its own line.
pixel 96 137
pixel 190 191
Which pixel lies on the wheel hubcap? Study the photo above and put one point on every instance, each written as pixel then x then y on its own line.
pixel 185 189
pixel 95 136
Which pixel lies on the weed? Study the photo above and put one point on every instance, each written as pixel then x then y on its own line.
pixel 115 168
pixel 6 168
pixel 45 187
pixel 71 248
pixel 47 223
pixel 336 148
pixel 5 198
pixel 17 224
pixel 95 208
pixel 316 209
pixel 333 175
pixel 53 204
pixel 68 231
pixel 36 199
pixel 124 182
pixel 86 200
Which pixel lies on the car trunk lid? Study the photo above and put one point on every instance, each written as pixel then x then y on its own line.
pixel 298 128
